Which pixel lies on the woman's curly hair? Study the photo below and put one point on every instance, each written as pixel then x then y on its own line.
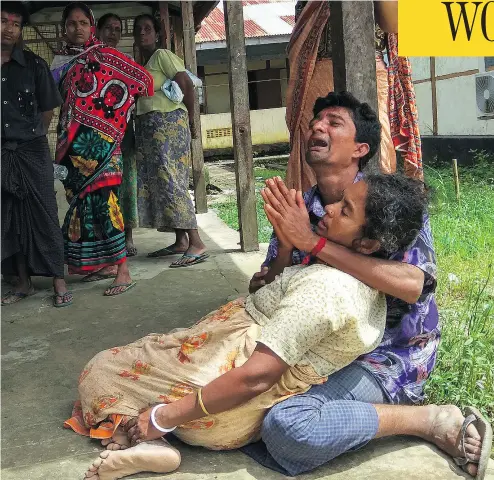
pixel 394 210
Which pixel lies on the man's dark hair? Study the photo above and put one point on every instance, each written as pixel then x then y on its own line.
pixel 72 6
pixel 106 17
pixel 17 8
pixel 367 126
pixel 394 210
pixel 156 22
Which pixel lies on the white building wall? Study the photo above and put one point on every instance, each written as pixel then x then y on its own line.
pixel 423 93
pixel 457 108
pixel 456 102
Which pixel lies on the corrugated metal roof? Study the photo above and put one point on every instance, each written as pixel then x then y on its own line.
pixel 290 19
pixel 252 29
pixel 261 18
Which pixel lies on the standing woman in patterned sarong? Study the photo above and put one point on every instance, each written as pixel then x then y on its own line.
pixel 163 135
pixel 109 31
pixel 99 85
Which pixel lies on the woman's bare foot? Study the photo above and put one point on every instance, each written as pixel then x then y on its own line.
pixel 102 274
pixel 156 456
pixel 119 440
pixel 445 432
pixel 177 248
pixel 121 283
pixel 23 289
pixel 62 295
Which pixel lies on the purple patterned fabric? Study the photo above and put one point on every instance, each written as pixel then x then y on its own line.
pixel 407 353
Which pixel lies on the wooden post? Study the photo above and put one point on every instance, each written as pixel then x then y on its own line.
pixel 197 153
pixel 457 179
pixel 242 142
pixel 178 36
pixel 353 49
pixel 166 41
pixel 433 94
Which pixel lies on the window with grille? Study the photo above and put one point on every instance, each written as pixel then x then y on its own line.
pixel 219 132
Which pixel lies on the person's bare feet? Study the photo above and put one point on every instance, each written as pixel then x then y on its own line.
pixel 22 290
pixel 62 295
pixel 196 253
pixel 119 440
pixel 101 274
pixel 156 456
pixel 122 281
pixel 445 432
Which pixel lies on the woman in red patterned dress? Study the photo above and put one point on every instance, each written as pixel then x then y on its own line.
pixel 99 85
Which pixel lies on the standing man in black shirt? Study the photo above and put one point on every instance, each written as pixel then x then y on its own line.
pixel 32 241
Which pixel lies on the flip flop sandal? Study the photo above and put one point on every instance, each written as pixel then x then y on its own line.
pixel 97 277
pixel 485 431
pixel 18 297
pixel 131 252
pixel 63 297
pixel 196 259
pixel 127 286
pixel 164 252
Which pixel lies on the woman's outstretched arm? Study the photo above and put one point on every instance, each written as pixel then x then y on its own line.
pixel 236 387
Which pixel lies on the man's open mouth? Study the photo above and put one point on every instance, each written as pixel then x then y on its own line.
pixel 317 143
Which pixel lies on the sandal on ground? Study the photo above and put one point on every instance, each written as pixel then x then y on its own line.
pixel 66 298
pixel 131 250
pixel 16 297
pixel 191 260
pixel 127 286
pixel 164 252
pixel 472 415
pixel 97 277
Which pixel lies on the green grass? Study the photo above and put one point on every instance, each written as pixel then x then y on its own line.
pixel 464 243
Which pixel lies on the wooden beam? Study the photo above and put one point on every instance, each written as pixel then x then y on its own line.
pixel 191 65
pixel 178 36
pixel 242 141
pixel 434 95
pixel 166 40
pixel 353 49
pixel 201 11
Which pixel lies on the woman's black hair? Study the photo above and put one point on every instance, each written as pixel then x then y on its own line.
pixel 394 210
pixel 367 126
pixel 16 8
pixel 148 16
pixel 105 18
pixel 72 6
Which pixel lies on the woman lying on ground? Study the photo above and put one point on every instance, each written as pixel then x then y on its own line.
pixel 240 360
pixel 221 375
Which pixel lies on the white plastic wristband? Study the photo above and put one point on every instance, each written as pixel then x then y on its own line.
pixel 155 423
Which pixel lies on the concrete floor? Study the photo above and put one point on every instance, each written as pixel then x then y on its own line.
pixel 44 350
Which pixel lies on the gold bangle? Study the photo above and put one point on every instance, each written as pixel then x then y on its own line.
pixel 201 403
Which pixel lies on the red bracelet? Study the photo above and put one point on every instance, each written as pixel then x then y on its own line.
pixel 319 246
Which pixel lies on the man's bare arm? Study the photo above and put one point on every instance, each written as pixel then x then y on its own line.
pixel 387 15
pixel 394 278
pixel 398 279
